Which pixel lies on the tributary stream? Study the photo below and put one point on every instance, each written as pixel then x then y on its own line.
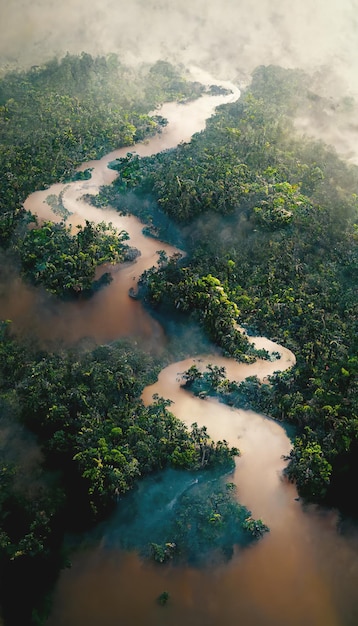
pixel 304 572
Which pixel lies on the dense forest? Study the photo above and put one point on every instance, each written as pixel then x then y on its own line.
pixel 74 432
pixel 272 216
pixel 53 118
pixel 268 222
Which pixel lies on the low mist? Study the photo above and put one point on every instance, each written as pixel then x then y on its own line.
pixel 229 38
pixel 177 506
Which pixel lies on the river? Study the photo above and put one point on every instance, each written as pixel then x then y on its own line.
pixel 301 573
pixel 109 314
pixel 304 572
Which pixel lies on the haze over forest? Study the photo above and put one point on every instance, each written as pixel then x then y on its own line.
pixel 227 38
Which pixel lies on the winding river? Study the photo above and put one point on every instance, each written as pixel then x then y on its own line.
pixel 304 572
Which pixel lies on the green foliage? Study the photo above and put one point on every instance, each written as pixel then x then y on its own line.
pixel 81 175
pixel 163 598
pixel 178 516
pixel 309 469
pixel 273 217
pixel 208 519
pixel 65 263
pixel 251 393
pixel 255 527
pixel 86 412
pixel 57 206
pixel 165 82
pixel 203 298
pixel 163 553
pixel 269 224
pixel 31 505
pixel 54 117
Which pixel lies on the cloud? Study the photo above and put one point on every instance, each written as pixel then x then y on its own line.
pixel 228 38
pixel 225 36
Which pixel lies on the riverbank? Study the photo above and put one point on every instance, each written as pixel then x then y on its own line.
pixel 302 572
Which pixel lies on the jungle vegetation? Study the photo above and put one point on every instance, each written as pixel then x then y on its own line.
pixel 75 436
pixel 268 220
pixel 74 433
pixel 183 517
pixel 54 117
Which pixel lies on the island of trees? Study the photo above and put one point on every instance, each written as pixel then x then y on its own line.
pixel 268 220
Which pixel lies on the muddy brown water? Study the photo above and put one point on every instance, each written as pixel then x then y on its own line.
pixel 302 573
pixel 110 313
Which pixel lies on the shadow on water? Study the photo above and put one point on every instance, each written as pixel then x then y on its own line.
pixel 183 517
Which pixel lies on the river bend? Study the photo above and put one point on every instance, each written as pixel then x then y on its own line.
pixel 301 573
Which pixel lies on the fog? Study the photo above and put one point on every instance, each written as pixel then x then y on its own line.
pixel 228 37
